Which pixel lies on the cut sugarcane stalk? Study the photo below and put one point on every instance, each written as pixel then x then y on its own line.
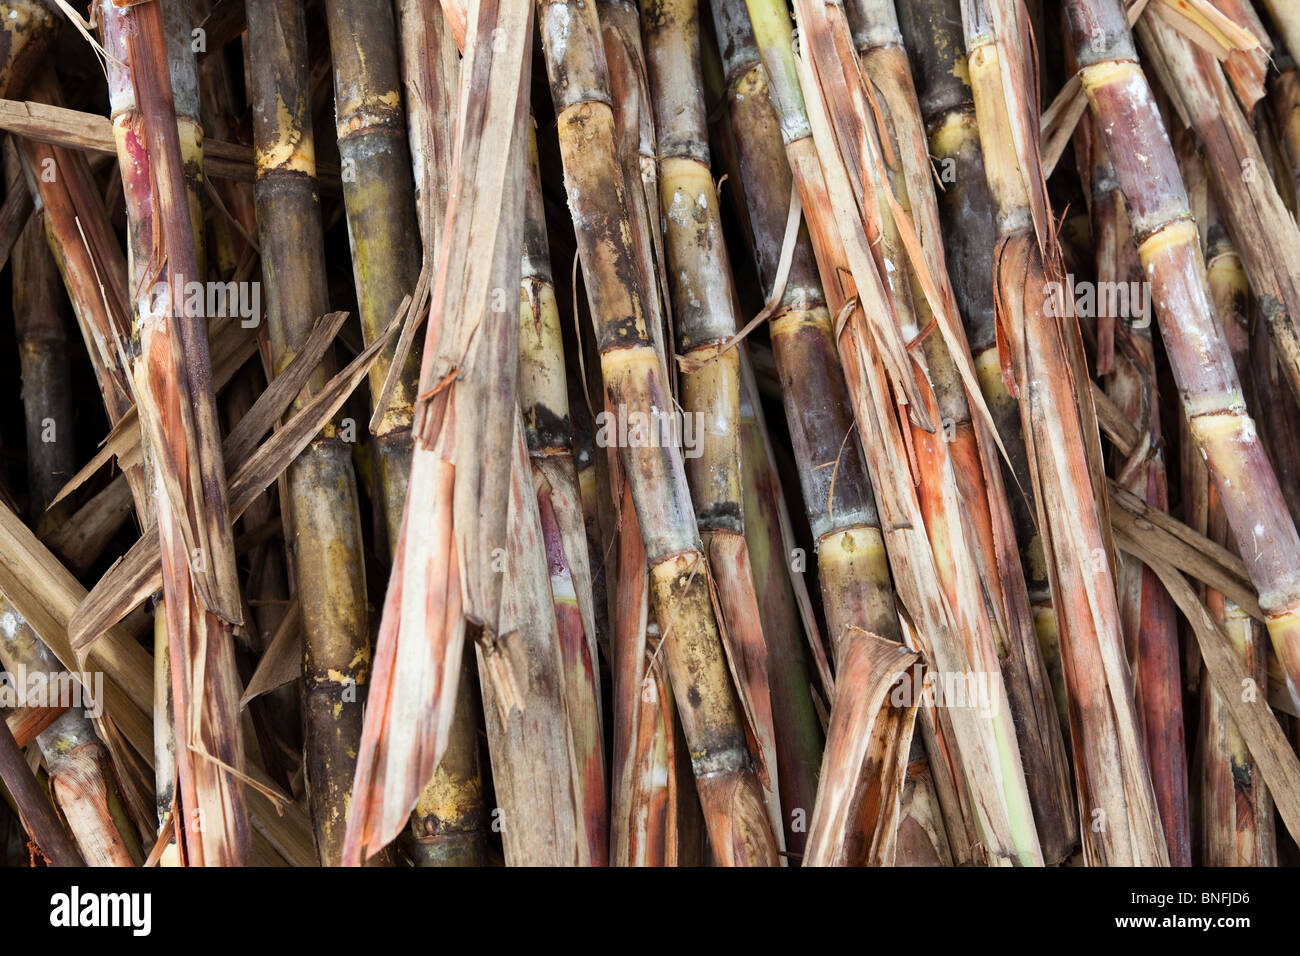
pixel 1150 627
pixel 734 812
pixel 1168 244
pixel 173 390
pixel 1117 811
pixel 448 825
pixel 329 573
pixel 81 777
pixel 544 401
pixel 705 318
pixel 1236 814
pixel 855 586
pixel 972 448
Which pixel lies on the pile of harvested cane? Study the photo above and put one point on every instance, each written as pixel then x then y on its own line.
pixel 667 432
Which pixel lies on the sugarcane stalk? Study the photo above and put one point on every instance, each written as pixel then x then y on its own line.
pixel 544 402
pixel 455 526
pixel 43 360
pixel 47 386
pixel 198 555
pixel 852 565
pixel 325 544
pixel 879 41
pixel 1151 628
pixel 183 71
pixel 705 316
pixel 82 781
pixel 1236 814
pixel 41 340
pixel 798 731
pixel 1111 775
pixel 637 152
pixel 643 798
pixel 382 225
pixel 543 729
pixel 734 812
pixel 39 818
pixel 929 572
pixel 1264 233
pixel 656 819
pixel 381 200
pixel 1201 363
pixel 448 823
pixel 854 577
pixel 230 228
pixel 932 35
pixel 108 329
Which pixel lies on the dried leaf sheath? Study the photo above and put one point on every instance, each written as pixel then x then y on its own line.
pixel 909 463
pixel 729 792
pixel 467 383
pixel 326 543
pixel 853 573
pixel 932 33
pixel 544 402
pixel 1151 629
pixel 448 823
pixel 543 765
pixel 173 391
pixel 971 445
pixel 1112 780
pixel 643 770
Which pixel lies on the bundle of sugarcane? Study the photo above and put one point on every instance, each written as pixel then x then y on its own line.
pixel 703 287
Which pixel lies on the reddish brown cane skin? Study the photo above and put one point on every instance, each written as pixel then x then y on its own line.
pixel 1201 363
pixel 173 376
